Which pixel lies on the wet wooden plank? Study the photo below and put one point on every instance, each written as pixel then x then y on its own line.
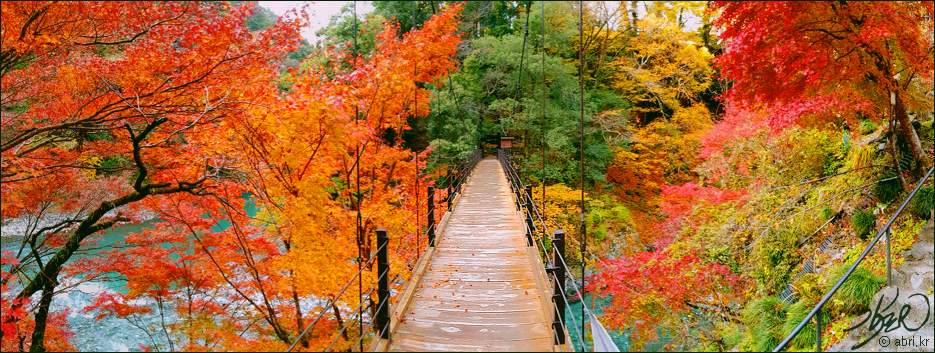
pixel 479 292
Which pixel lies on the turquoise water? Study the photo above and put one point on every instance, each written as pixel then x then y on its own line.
pixel 573 317
pixel 108 333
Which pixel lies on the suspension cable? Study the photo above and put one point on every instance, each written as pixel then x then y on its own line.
pixel 581 63
pixel 542 121
pixel 360 238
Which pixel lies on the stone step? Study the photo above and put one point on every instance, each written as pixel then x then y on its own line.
pixel 915 275
pixel 920 251
pixel 927 234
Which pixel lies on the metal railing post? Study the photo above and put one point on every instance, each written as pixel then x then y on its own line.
pixel 558 294
pixel 517 189
pixel 889 265
pixel 383 290
pixel 818 331
pixel 449 189
pixel 431 215
pixel 530 227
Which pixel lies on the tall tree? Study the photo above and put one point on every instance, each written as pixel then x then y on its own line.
pixel 107 104
pixel 822 59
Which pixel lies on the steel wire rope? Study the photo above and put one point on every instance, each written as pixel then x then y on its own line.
pixel 360 309
pixel 372 257
pixel 584 239
pixel 380 306
pixel 335 299
pixel 519 184
pixel 357 167
pixel 542 140
pixel 398 253
pixel 402 245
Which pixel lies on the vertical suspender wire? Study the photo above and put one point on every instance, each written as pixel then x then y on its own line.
pixel 360 239
pixel 542 122
pixel 584 239
pixel 415 111
pixel 519 80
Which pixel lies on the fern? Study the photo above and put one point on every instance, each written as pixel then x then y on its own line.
pixel 923 203
pixel 862 222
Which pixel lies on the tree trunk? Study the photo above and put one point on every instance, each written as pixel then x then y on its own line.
pixel 38 334
pixel 299 325
pixel 909 133
pixel 634 28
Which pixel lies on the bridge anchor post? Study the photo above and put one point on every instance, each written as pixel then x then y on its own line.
pixel 530 226
pixel 383 289
pixel 558 293
pixel 431 215
pixel 449 188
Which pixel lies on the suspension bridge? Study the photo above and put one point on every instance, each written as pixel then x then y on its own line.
pixel 486 281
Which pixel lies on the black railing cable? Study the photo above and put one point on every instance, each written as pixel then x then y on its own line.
pixel 883 231
pixel 542 120
pixel 360 238
pixel 530 211
pixel 373 255
pixel 584 230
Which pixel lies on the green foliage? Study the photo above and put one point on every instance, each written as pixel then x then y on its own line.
pixel 764 318
pixel 861 156
pixel 856 293
pixel 887 189
pixel 111 164
pixel 827 213
pixel 923 203
pixel 777 257
pixel 862 222
pixel 867 127
pixel 809 288
pixel 797 312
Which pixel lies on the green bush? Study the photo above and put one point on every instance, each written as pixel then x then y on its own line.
pixel 887 189
pixel 923 203
pixel 777 257
pixel 827 213
pixel 797 312
pixel 809 288
pixel 765 318
pixel 867 126
pixel 863 223
pixel 856 293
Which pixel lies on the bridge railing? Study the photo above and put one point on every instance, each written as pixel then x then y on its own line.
pixel 554 260
pixel 372 314
pixel 885 231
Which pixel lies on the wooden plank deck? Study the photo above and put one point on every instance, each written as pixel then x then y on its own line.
pixel 480 291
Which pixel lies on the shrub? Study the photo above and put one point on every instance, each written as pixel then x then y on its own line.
pixel 809 288
pixel 827 213
pixel 887 189
pixel 856 293
pixel 797 312
pixel 862 222
pixel 861 156
pixel 923 203
pixel 867 126
pixel 764 318
pixel 777 257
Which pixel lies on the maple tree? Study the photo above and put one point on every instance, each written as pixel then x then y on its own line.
pixel 664 70
pixel 660 289
pixel 826 59
pixel 295 158
pixel 144 87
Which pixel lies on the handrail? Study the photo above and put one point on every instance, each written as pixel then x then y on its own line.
pixel 454 183
pixel 815 311
pixel 527 206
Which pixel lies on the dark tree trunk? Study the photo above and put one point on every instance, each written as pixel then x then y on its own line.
pixel 38 334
